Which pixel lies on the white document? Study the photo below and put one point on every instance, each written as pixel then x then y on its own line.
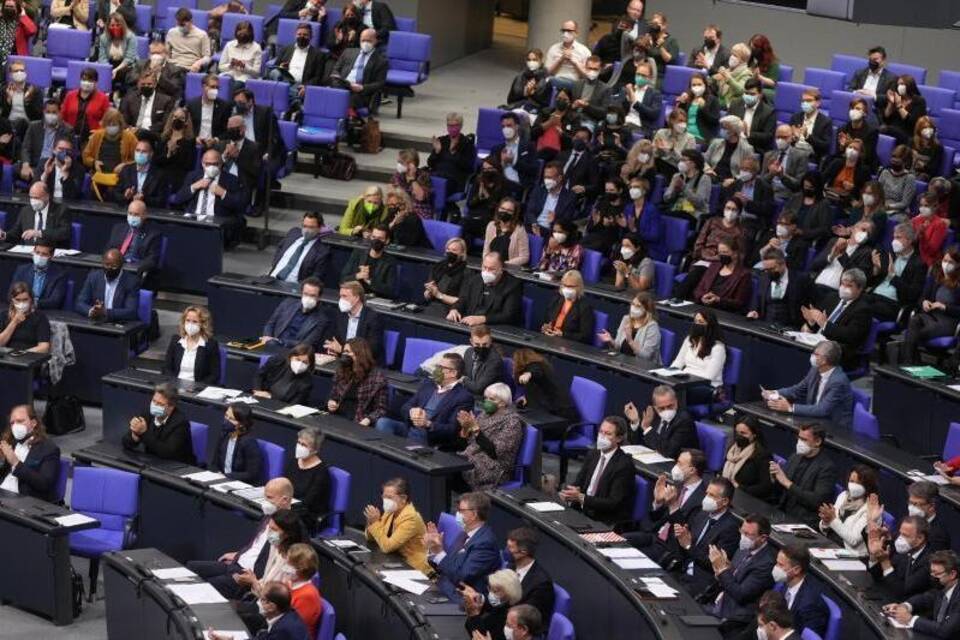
pixel 845 565
pixel 405 574
pixel 621 552
pixel 634 449
pixel 233 485
pixel 74 519
pixel 955 387
pixel 201 593
pixel 344 544
pixel 653 457
pixel 204 476
pixel 218 393
pixel 812 339
pixel 233 635
pixel 545 507
pixel 792 528
pixel 665 372
pixel 636 563
pixel 659 588
pixel 411 586
pixel 59 253
pixel 174 573
pixel 21 248
pixel 682 303
pixel 245 400
pixel 298 411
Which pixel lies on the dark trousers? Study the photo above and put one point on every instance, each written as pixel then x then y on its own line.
pixel 923 327
pixel 220 575
pixel 883 309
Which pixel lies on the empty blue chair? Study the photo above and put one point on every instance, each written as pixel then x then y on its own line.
pixel 288 132
pixel 946 80
pixel 560 628
pixel 439 233
pixel 590 399
pixel 787 101
pixel 60 489
pixel 865 423
pixel 144 315
pixel 786 73
pixel 600 320
pixel 339 501
pixel 561 600
pixel 675 232
pixel 324 117
pixel 144 18
pixel 328 621
pixel 439 187
pixel 525 458
pixel 950 128
pixel 836 618
pixel 668 345
pixel 409 58
pixel 263 90
pixel 847 64
pixel 713 443
pixel 76 232
pixel 919 74
pixel 406 24
pixel 535 244
pixel 489 132
pixel 590 269
pixel 112 497
pixel 416 350
pixel 641 502
pixel 937 99
pixel 287 32
pixel 826 80
pixel 951 446
pixel 664 273
pixel 860 397
pixel 272 459
pixel 69 44
pixel 391 340
pixel 76 67
pixel 68 297
pixel 38 69
pixel 199 434
pixel 731 376
pixel 447 525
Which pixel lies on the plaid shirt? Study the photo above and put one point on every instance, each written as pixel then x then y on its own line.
pixel 371 394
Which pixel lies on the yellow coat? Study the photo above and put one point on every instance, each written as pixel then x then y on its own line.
pixel 406 538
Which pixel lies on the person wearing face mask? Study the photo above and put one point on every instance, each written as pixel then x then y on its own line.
pixel 309 478
pixel 931 229
pixel 482 363
pixel 922 501
pixel 406 227
pixel 242 57
pixel 475 554
pixel 491 297
pixel 843 316
pixel 209 191
pixel 237 454
pixel 901 567
pixel 529 90
pixel 189 45
pixel 566 60
pixel 747 460
pixel 170 77
pixel 447 274
pixel 41 219
pixel 759 119
pixel 372 266
pixel 902 109
pixel 859 127
pixel 569 315
pixel 301 64
pixel 813 213
pixel 774 621
pixel 108 151
pixel 640 162
pixel 64 176
pixel 590 94
pixel 898 181
pixel 490 441
pixel 118 47
pixel 242 157
pixel 670 141
pixel 29 460
pixel 733 74
pixel 806 482
pixel 46 281
pixel 541 389
pixel 299 321
pixel 24 327
pixel 273 616
pixel 301 254
pixel 845 176
pixel 935 613
pixel 641 216
pixel 20 102
pixel 485 189
pixel 702 352
pixel 506 236
pixel 563 251
pixel 784 236
pixel 846 520
pixel 143 180
pixel 812 128
pixel 84 106
pixel 604 488
pixel 783 291
pixel 553 129
pixel 873 80
pixel 487 615
pixel 726 283
pixel 517 154
pixel 702 108
pixel 38 143
pixel 363 213
pixel 163 431
pixel 287 376
pixel 842 254
pixel 755 194
pixel 603 233
pixel 341 36
pixel 725 154
pixel 642 102
pixel 359 391
pixel 711 55
pixel 939 309
pixel 453 155
pixel 580 174
pixel 662 426
pixel 785 165
pixel 871 206
pixel 707 541
pixel 927 149
pixel 397 527
pixel 903 283
pixel 363 71
pixel 110 294
pixel 638 334
pixel 208 112
pixel 415 181
pixel 823 393
pixel 688 191
pixel 743 579
pixel 801 591
pixel 146 108
pixel 717 229
pixel 193 353
pixel 355 319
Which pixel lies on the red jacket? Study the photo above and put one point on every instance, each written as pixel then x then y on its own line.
pixel 930 237
pixel 26 29
pixel 99 103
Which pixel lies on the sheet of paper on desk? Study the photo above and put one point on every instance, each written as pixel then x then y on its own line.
pixel 621 552
pixel 174 573
pixel 218 393
pixel 201 593
pixel 955 387
pixel 74 519
pixel 845 565
pixel 204 476
pixel 835 553
pixel 298 411
pixel 636 563
pixel 935 478
pixel 651 458
pixel 345 544
pixel 22 248
pixel 791 528
pixel 665 372
pixel 634 449
pixel 659 588
pixel 404 574
pixel 233 485
pixel 233 635
pixel 681 303
pixel 812 339
pixel 59 253
pixel 245 400
pixel 412 586
pixel 545 507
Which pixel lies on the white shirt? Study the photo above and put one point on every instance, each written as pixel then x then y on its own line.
pixel 353 323
pixel 823 382
pixel 57 186
pixel 288 254
pixel 779 289
pixel 521 573
pixel 748 114
pixel 188 362
pixel 791 593
pixel 249 557
pixel 509 170
pixel 207 208
pixel 110 290
pixel 206 119
pixel 144 118
pixel 297 61
pixel 710 367
pixel 830 275
pixel 234 169
pixel 709 56
pixel 45 213
pixel 368 15
pixel 11 482
pixel 871 81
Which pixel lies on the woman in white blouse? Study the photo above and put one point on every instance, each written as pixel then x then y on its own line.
pixel 242 58
pixel 703 354
pixel 285 530
pixel 193 354
pixel 638 334
pixel 846 519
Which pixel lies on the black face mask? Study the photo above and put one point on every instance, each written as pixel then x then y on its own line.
pixel 346 360
pixel 562 105
pixel 146 92
pixel 742 441
pixel 809 191
pixel 111 274
pixel 303 43
pixel 774 276
pixel 725 260
pixel 242 107
pixel 178 124
pixel 377 245
pixel 9 13
pixel 709 43
pixel 873 64
pixel 234 134
pixel 896 166
pixel 481 352
pixel 579 144
pixel 697 331
pixel 505 217
pixel 393 210
pixel 244 38
pixel 452 258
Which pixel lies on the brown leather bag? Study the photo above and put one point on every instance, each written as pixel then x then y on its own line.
pixel 371 141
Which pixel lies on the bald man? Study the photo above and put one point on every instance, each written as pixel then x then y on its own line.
pixel 363 71
pixel 278 494
pixel 784 166
pixel 137 240
pixel 209 191
pixel 41 218
pixel 241 156
pixel 110 294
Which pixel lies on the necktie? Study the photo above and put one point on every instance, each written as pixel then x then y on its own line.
pixel 39 277
pixel 837 312
pixel 476 367
pixel 942 611
pixel 703 531
pixel 739 564
pixel 601 465
pixel 39 220
pixel 203 201
pixel 572 162
pixel 361 63
pixel 292 262
pixel 126 243
pixel 664 425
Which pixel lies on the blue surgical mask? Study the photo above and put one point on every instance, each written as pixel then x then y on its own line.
pixel 133 221
pixel 156 410
pixel 460 522
pixel 141 158
pixel 749 99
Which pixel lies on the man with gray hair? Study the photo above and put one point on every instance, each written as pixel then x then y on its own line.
pixel 163 431
pixel 453 155
pixel 727 151
pixel 524 622
pixel 663 426
pixel 843 317
pixel 904 279
pixel 362 71
pixel 823 393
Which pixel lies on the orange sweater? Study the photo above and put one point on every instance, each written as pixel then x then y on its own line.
pixel 306 601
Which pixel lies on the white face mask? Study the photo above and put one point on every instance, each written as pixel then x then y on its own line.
pixel 730 215
pixel 626 252
pixel 852 154
pixel 680 128
pixel 86 86
pixel 508 132
pixel 869 199
pixel 568 293
pixel 191 328
pixel 37 204
pixel 698 90
pixel 20 430
pixel 212 94
pixel 51 119
pixel 746 544
pixel 926 211
pixel 21 307
pixel 709 505
pixel 897 246
pixel 733 62
pixel 559 237
pixel 603 443
pixel 507 633
pixel 782 231
pixel 637 311
pixel 592 75
pixel 643 158
pixel 19 76
pixel 859 237
pixel 273 537
pixel 112 129
pixel 803 449
pixel 533 65
pixel 549 184
pixel 401 168
pixel 344 305
pixel 745 176
pixel 667 414
pixel 308 302
pixel 157 59
pixel 494 599
pixel 846 293
pixel 916 511
pixel 487 276
pixel 298 367
pixel 568 36
pixel 782 144
pixel 927 132
pixel 901 545
pixel 778 574
pixel 40 262
pixel 813 360
pixel 947 267
pixel 855 490
pixel 762 633
pixel 210 172
pixel 676 473
pixel 635 194
pixel 366 46
pixel 268 508
pixel 902 89
pixel 855 115
pixel 389 505
pixel 683 167
pixel 300 452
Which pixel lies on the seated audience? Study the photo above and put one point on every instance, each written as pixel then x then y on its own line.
pixel 757 115
pixel 453 155
pixel 688 192
pixel 170 78
pixel 471 563
pixel 633 269
pixel 747 461
pixel 638 334
pixel 209 112
pixel 300 65
pixel 785 237
pixel 354 320
pixel 47 282
pixel 703 354
pixel 846 519
pixel 903 107
pixel 25 327
pixel 720 228
pixel 238 455
pixel 931 230
pixel 774 618
pixel 591 95
pixel 640 162
pixel 482 363
pixel 359 391
pixel 801 591
pixel 363 212
pixel 727 284
pixel 400 528
pixel 142 179
pixel 755 194
pixel 406 227
pixel 743 578
pixel 40 219
pixel 901 287
pixel 491 297
pixel 20 102
pixel 372 266
pixel 873 80
pixel 193 353
pixel 108 150
pixel 487 616
pixel 580 173
pixel 898 181
pixel 903 570
pixel 110 294
pixel 807 480
pixel 569 315
pixel 663 426
pixel 64 177
pixel 550 202
pixel 535 582
pixel 602 230
pixel 784 291
pixel 242 57
pixel 37 144
pixel 29 459
pixel 415 181
pixel 712 54
pixel 362 70
pixel 860 127
pixel 927 149
pixel 177 150
pixel 848 321
pixel 209 192
pixel 447 274
pixel 343 35
pixel 300 321
pixel 843 254
pixel 702 108
pixel 812 128
pixel 524 622
pixel 164 431
pixel 922 501
pixel 823 393
pixel 137 240
pixel 642 102
pixel 490 441
pixel 724 154
pixel 710 537
pixel 309 477
pixel 485 190
pixel 939 309
pixel 935 613
pixel 507 236
pixel 287 377
pixel 530 88
pixel 301 254
pixel 118 48
pixel 541 393
pixel 871 207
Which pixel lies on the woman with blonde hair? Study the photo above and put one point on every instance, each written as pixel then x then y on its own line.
pixel 109 148
pixel 639 333
pixel 29 461
pixel 194 354
pixel 446 276
pixel 406 227
pixel 569 315
pixel 640 162
pixel 363 212
pixel 489 621
pixel 415 181
pixel 177 154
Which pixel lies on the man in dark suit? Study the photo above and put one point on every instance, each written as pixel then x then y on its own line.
pixel 811 126
pixel 843 317
pixel 40 219
pixel 301 254
pixel 137 240
pixel 808 479
pixel 300 321
pixel 378 16
pixel 111 294
pixel 759 119
pixel 34 474
pixel 902 285
pixel 354 320
pixel 713 531
pixel 712 54
pixel 591 95
pixel 475 553
pixel 535 581
pixel 147 108
pixel 783 292
pixel 164 430
pixel 605 489
pixel 283 622
pixel 800 590
pixel 211 192
pixel 260 127
pixel 922 501
pixel 63 173
pixel 755 194
pixel 785 165
pixel 517 156
pixel 300 64
pixel 39 139
pixel 241 157
pixel 745 577
pixel 209 112
pixel 490 297
pixel 663 426
pixel 785 237
pixel 142 179
pixel 579 173
pixel 903 571
pixel 824 393
pixel 170 77
pixel 643 104
pixel 483 364
pixel 935 613
pixel 875 79
pixel 549 201
pixel 363 71
pixel 373 267
pixel 47 281
pixel 774 618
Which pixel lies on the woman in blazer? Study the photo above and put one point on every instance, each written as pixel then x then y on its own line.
pixel 846 174
pixel 747 462
pixel 447 275
pixel 287 377
pixel 400 528
pixel 193 354
pixel 29 462
pixel 726 284
pixel 569 315
pixel 238 455
pixel 702 109
pixel 359 390
pixel 813 212
pixel 638 334
pixel 847 518
pixel 507 236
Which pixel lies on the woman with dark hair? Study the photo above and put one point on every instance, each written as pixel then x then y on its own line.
pixel 242 57
pixel 540 389
pixel 904 107
pixel 702 354
pixel 898 181
pixel 688 192
pixel 507 236
pixel 310 476
pixel 359 390
pixel 764 65
pixel 813 213
pixel 870 206
pixel 726 284
pixel 283 531
pixel 845 175
pixel 672 140
pixel 552 131
pixel 632 267
pixel 602 231
pixel 25 328
pixel 702 108
pixel 858 127
pixel 287 377
pixel 927 149
pixel 939 311
pixel 485 189
pixel 238 455
pixel 530 89
pixel 16 30
pixel 747 462
pixel 563 251
pixel 345 34
pixel 718 228
pixel 29 461
pixel 846 520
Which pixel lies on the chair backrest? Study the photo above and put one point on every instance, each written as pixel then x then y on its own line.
pixel 591 400
pixel 263 90
pixel 786 73
pixel 847 64
pixel 885 145
pixel 406 24
pixel 810 634
pixel 409 52
pixel 641 501
pixel 339 499
pixel 590 269
pixel 713 443
pixel 391 341
pixel 201 18
pixel 600 320
pixel 328 621
pixel 731 369
pixel 68 298
pixel 787 101
pixel 675 231
pixel 488 129
pixel 861 398
pixel 865 423
pixel 664 272
pixel 826 80
pixel 836 618
pixel 949 80
pixel 272 455
pixel 69 44
pixel 325 107
pixel 676 79
pixel 229 26
pixel 535 244
pixel 76 67
pixel 287 32
pixel 899 68
pixel 109 495
pixel 950 127
pixel 447 525
pixel 439 233
pixel 561 600
pixel 199 435
pixel 527 455
pixel 194 83
pixel 951 446
pixel 668 345
pixel 560 628
pixel 60 489
pixel 38 69
pixel 416 350
pixel 143 45
pixel 526 307
pixel 145 306
pixel 144 18
pixel 937 99
pixel 76 232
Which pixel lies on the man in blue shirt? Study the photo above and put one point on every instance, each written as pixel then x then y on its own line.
pixel 298 321
pixel 46 281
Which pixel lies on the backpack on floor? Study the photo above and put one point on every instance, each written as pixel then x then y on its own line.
pixel 338 166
